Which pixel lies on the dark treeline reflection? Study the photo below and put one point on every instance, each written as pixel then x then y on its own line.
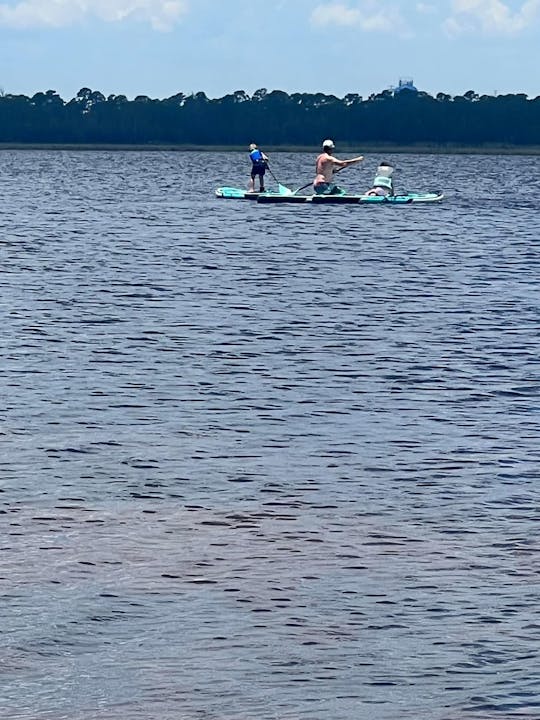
pixel 272 118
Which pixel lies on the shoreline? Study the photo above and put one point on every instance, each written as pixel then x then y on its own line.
pixel 420 149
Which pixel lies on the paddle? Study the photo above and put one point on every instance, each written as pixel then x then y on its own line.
pixel 303 187
pixel 283 190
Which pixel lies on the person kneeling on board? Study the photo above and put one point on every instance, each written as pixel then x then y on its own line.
pixel 258 167
pixel 383 184
pixel 325 166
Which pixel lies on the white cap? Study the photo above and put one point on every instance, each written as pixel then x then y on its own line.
pixel 328 143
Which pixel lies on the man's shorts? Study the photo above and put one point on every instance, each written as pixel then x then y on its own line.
pixel 328 189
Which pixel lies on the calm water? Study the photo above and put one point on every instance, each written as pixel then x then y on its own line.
pixel 268 462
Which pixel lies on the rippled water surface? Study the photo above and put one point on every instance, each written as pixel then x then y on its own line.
pixel 268 462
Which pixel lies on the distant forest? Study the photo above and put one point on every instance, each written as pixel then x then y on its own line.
pixel 273 118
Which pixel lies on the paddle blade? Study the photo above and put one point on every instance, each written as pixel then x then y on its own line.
pixel 284 190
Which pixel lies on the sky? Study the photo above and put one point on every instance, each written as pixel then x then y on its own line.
pixel 163 47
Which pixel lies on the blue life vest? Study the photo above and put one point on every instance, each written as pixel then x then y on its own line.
pixel 257 157
pixel 383 182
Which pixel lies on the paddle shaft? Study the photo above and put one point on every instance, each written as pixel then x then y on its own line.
pixel 271 173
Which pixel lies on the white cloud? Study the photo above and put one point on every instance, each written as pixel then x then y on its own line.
pixel 491 17
pixel 161 14
pixel 425 8
pixel 369 15
pixel 335 15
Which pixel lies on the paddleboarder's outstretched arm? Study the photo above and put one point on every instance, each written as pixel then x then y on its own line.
pixel 340 164
pixel 345 163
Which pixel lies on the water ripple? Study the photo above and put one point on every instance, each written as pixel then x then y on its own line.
pixel 273 462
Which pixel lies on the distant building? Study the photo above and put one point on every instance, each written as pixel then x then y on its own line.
pixel 405 84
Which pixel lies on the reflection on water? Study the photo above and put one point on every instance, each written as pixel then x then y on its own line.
pixel 267 461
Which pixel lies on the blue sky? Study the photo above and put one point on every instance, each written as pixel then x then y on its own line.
pixel 161 47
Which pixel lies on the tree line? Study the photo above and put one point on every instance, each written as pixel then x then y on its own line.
pixel 272 118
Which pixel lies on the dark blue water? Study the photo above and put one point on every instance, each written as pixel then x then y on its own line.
pixel 268 462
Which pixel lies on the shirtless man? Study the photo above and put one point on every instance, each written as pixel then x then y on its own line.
pixel 325 167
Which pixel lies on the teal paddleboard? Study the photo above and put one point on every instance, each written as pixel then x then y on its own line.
pixel 232 193
pixel 268 197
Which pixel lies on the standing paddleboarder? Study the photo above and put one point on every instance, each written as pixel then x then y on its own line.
pixel 258 167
